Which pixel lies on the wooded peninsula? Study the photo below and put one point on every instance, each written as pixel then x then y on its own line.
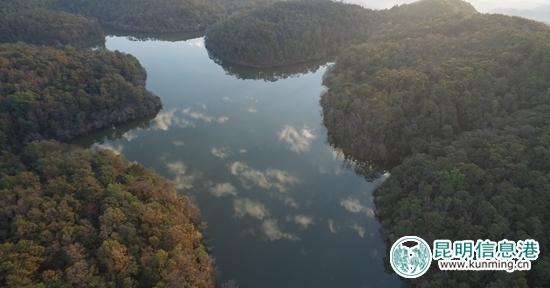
pixel 289 32
pixel 462 100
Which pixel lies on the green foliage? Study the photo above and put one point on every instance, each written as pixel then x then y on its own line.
pixel 498 190
pixel 289 32
pixel 159 16
pixel 428 8
pixel 462 99
pixel 394 95
pixel 32 22
pixel 60 94
pixel 62 227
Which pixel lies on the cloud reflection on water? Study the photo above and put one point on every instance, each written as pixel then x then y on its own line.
pixel 272 231
pixel 221 152
pixel 197 42
pixel 331 226
pixel 299 141
pixel 245 206
pixel 291 202
pixel 197 115
pixel 222 189
pixel 354 206
pixel 166 119
pixel 169 118
pixel 272 178
pixel 302 220
pixel 183 180
pixel 130 135
pixel 360 230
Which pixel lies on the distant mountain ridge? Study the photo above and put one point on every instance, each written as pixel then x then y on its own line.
pixel 541 13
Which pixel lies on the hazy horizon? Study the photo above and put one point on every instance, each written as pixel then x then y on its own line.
pixel 480 5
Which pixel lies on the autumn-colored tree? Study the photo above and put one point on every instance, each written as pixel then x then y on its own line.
pixel 60 226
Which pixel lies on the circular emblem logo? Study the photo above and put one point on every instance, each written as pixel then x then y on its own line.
pixel 411 260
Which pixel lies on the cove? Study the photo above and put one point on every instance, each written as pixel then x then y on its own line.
pixel 281 207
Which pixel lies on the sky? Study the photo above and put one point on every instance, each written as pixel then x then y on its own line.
pixel 481 5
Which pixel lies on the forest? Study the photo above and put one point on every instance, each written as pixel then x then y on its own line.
pixel 462 100
pixel 79 22
pixel 47 93
pixel 34 23
pixel 160 16
pixel 289 32
pixel 71 217
pixel 77 218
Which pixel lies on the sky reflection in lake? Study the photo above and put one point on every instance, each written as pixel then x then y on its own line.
pixel 281 208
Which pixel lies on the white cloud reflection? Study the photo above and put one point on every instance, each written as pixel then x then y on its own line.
pixel 223 189
pixel 249 207
pixel 221 152
pixel 303 220
pixel 169 118
pixel 178 143
pixel 182 179
pixel 331 226
pixel 272 231
pixel 360 230
pixel 291 202
pixel 272 178
pixel 337 153
pixel 166 119
pixel 299 141
pixel 197 42
pixel 197 115
pixel 130 135
pixel 354 206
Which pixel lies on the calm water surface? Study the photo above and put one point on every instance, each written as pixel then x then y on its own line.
pixel 248 145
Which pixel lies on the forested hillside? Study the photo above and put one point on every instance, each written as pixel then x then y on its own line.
pixel 160 16
pixel 423 9
pixel 76 218
pixel 458 76
pixel 463 100
pixel 47 27
pixel 60 94
pixel 290 32
pixel 33 22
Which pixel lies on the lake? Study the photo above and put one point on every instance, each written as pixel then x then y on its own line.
pixel 282 208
